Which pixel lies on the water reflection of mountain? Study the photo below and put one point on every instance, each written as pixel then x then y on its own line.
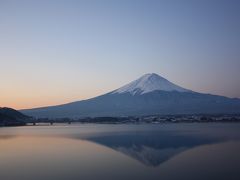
pixel 152 148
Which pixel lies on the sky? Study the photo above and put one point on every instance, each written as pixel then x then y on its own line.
pixel 57 51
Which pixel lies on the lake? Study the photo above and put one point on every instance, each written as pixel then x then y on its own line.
pixel 121 152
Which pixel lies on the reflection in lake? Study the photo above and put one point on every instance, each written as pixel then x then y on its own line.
pixel 171 151
pixel 152 148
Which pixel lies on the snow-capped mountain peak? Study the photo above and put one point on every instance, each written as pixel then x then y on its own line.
pixel 148 83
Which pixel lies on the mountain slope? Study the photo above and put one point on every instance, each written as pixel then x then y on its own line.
pixel 11 117
pixel 151 94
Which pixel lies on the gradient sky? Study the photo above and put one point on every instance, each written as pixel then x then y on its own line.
pixel 57 51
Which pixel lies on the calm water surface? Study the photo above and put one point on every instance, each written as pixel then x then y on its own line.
pixel 117 152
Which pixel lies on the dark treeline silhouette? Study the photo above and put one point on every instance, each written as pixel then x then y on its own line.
pixel 11 117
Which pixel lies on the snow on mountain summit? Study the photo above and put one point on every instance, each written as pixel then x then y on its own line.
pixel 148 83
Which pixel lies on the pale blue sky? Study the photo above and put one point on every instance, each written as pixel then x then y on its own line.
pixel 56 51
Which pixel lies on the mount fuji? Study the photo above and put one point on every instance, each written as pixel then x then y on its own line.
pixel 151 94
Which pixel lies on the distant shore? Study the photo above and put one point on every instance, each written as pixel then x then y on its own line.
pixel 153 119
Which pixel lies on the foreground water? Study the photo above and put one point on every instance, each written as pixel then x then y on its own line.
pixel 144 152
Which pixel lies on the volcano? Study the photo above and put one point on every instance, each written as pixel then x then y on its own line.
pixel 151 94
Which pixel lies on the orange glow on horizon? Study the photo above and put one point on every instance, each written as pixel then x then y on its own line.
pixel 19 103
